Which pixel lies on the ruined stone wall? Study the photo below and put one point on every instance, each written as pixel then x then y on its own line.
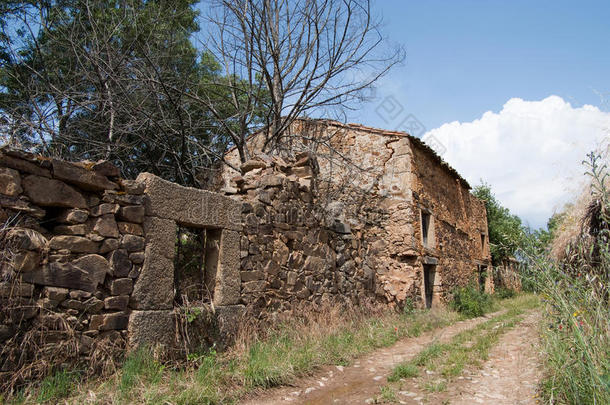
pixel 73 244
pixel 88 263
pixel 458 220
pixel 293 253
pixel 378 183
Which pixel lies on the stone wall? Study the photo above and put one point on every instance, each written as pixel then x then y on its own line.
pixel 88 257
pixel 296 254
pixel 73 245
pixel 379 184
pixel 338 214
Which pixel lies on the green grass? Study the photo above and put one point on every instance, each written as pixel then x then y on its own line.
pixel 139 367
pixel 470 301
pixel 387 395
pixel 403 371
pixel 436 386
pixel 467 348
pixel 59 385
pixel 288 351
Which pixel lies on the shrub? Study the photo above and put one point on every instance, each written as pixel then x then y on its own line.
pixel 504 293
pixel 471 302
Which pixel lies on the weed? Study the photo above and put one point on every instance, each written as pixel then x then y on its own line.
pixel 58 385
pixel 470 302
pixel 436 386
pixel 387 395
pixel 504 293
pixel 139 366
pixel 405 370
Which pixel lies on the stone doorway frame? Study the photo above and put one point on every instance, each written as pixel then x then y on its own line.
pixel 152 320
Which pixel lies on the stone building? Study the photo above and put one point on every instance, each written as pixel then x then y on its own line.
pixel 417 230
pixel 335 214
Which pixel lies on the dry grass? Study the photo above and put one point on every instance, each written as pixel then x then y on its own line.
pixel 261 358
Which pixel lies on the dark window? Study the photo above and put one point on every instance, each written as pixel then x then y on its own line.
pixel 425 227
pixel 429 276
pixel 483 243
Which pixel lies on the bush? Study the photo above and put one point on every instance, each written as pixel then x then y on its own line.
pixel 471 302
pixel 504 293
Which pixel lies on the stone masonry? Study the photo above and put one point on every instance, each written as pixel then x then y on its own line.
pixel 333 214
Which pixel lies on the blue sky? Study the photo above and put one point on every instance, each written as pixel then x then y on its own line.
pixel 514 91
pixel 468 57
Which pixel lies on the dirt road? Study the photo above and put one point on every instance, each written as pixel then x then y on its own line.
pixel 509 376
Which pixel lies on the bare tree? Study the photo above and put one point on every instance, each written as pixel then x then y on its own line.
pixel 292 58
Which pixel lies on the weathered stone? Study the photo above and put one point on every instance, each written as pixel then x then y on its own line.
pixel 154 287
pixel 73 216
pixel 95 265
pixel 94 305
pixel 79 229
pixel 105 168
pixel 229 318
pixel 10 182
pixel 129 199
pixel 160 236
pixel 24 238
pixel 61 275
pixel 132 213
pixel 303 172
pixel 108 245
pixel 73 304
pixel 281 253
pixel 114 321
pixel 151 328
pixel 132 186
pixel 86 179
pixel 137 257
pixel 55 293
pixel 20 204
pixel 25 261
pixel 121 286
pixel 253 287
pixel 95 237
pixel 105 209
pixel 252 164
pixel 76 244
pixel 270 180
pixel 23 165
pixel 314 264
pixel 190 206
pixel 118 302
pixel 120 263
pixel 16 289
pixel 54 193
pixel 341 227
pixel 251 276
pixel 133 243
pixel 80 294
pixel 106 226
pixel 130 228
pixel 291 278
pixel 227 275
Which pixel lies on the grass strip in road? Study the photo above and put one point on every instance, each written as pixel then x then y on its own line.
pixel 467 348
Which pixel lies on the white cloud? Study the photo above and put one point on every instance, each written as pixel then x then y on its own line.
pixel 530 152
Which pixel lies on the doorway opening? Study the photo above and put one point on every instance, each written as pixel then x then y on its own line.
pixel 429 276
pixel 482 273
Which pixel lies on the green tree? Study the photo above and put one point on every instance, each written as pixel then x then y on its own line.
pixel 506 232
pixel 93 79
